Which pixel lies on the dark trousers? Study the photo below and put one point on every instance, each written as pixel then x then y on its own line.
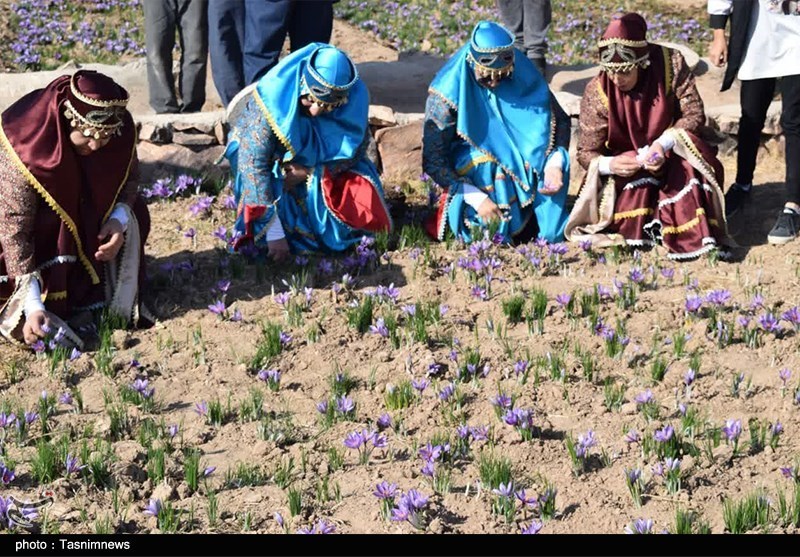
pixel 756 96
pixel 246 37
pixel 162 18
pixel 529 20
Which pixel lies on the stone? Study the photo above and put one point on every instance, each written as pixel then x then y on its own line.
pixel 727 116
pixel 404 118
pixel 436 526
pixel 164 492
pixel 221 132
pixel 155 134
pixel 159 161
pixel 193 139
pixel 381 116
pixel 183 491
pixel 132 471
pixel 570 102
pixel 400 148
pixel 129 451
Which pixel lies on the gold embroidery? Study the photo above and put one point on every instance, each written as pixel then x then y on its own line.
pixel 633 213
pixel 271 121
pixel 50 201
pixel 685 226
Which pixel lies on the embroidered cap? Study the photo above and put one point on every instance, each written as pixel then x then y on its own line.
pixel 328 77
pixel 95 104
pixel 624 45
pixel 491 49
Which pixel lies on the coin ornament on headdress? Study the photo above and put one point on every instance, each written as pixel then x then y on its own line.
pixel 491 49
pixel 99 119
pixel 328 77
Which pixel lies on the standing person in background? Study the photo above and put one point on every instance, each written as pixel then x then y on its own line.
pixel 161 19
pixel 764 46
pixel 246 37
pixel 529 20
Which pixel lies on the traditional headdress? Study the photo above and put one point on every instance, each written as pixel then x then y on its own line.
pixel 328 77
pixel 95 104
pixel 624 45
pixel 491 49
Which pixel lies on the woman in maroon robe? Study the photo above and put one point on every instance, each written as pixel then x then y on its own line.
pixel 72 225
pixel 650 178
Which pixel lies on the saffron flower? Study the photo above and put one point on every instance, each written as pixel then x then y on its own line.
pixel 664 434
pixel 534 526
pixel 153 507
pixel 379 328
pixel 640 526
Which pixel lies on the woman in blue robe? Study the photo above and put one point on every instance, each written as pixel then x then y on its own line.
pixel 495 140
pixel 302 181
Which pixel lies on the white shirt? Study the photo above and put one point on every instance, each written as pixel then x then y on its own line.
pixel 773 40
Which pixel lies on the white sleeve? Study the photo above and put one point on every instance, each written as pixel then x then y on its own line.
pixel 667 140
pixel 472 195
pixel 275 230
pixel 605 166
pixel 33 301
pixel 556 159
pixel 720 7
pixel 120 215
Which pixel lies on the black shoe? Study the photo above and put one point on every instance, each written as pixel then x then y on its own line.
pixel 735 199
pixel 786 228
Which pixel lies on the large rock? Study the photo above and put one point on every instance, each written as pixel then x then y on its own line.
pixel 400 148
pixel 727 118
pixel 691 57
pixel 381 116
pixel 159 161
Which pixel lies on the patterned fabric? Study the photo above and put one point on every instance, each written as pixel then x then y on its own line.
pixel 272 131
pixel 680 206
pixel 497 141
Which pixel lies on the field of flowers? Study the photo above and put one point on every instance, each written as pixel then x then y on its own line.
pixel 46 33
pixel 417 387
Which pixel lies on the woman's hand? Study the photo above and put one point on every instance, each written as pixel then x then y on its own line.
pixel 278 250
pixel 553 180
pixel 655 157
pixel 489 210
pixel 625 165
pixel 113 231
pixel 35 326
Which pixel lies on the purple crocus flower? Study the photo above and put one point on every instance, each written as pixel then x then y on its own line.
pixel 689 377
pixel 668 273
pixel 201 408
pixel 534 526
pixel 190 233
pixel 636 275
pixel 153 507
pixel 664 434
pixel 718 297
pixel 447 391
pixel 502 400
pixel 640 526
pixel 632 436
pixel 792 315
pixel 504 490
pixel 563 299
pixel 173 430
pixel 769 323
pixel 585 245
pixel 644 398
pixel 479 433
pixel 74 355
pixel 385 490
pixel 430 453
pixel 31 417
pixel 355 440
pixel 525 500
pixel 65 398
pixel 322 407
pixel 693 304
pixel 270 375
pixel 223 286
pixel 141 387
pixel 384 421
pixel 379 328
pixel 208 471
pixel 345 404
pixel 785 374
pixel 585 442
pixel 285 338
pixel 221 233
pixel 420 385
pixel 520 367
pixel 217 308
pixel 7 475
pixel 71 465
pixel 409 309
pixel 732 429
pixel 282 298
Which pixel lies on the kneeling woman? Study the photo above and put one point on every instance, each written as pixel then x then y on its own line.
pixel 495 140
pixel 650 179
pixel 302 181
